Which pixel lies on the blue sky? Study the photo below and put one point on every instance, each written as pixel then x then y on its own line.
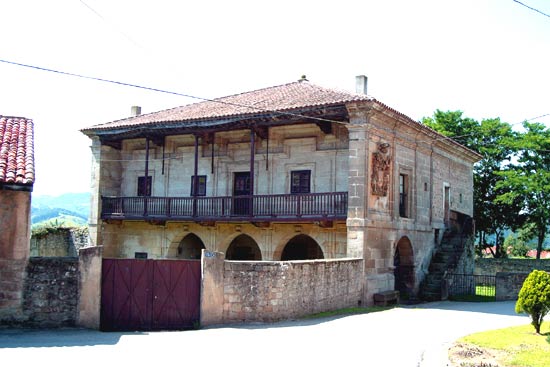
pixel 486 58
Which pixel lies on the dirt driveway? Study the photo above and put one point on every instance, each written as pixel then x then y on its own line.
pixel 414 336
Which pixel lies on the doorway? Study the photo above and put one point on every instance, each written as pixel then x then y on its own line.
pixel 241 193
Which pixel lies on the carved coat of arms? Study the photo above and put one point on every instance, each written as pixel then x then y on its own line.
pixel 380 176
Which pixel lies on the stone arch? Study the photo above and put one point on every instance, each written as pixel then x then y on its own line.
pixel 243 247
pixel 403 262
pixel 302 247
pixel 190 247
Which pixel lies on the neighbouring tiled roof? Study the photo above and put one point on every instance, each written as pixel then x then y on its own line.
pixel 16 150
pixel 286 97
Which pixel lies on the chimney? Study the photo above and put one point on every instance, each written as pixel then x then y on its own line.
pixel 136 111
pixel 361 84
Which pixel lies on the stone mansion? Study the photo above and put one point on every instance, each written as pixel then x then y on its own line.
pixel 291 172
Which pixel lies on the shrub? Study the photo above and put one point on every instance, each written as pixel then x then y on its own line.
pixel 534 297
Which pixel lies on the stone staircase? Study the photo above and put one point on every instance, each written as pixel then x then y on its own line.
pixel 444 260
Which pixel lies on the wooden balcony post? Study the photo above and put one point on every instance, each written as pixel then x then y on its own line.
pixel 252 153
pixel 146 180
pixel 195 176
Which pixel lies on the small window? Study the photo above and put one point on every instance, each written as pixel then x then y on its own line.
pixel 201 186
pixel 140 255
pixel 425 186
pixel 143 190
pixel 460 198
pixel 300 182
pixel 403 196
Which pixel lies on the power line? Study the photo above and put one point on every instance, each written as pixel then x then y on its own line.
pixel 257 109
pixel 110 24
pixel 529 7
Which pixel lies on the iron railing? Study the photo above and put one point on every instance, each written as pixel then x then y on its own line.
pixel 469 285
pixel 330 205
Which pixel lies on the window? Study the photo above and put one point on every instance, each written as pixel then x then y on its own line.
pixel 300 182
pixel 201 186
pixel 403 197
pixel 142 190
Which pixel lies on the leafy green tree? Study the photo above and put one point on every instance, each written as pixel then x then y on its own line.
pixel 534 297
pixel 486 138
pixel 527 181
pixel 516 245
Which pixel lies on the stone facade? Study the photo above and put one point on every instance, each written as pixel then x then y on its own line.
pixel 402 181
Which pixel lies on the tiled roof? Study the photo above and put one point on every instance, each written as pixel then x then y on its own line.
pixel 16 150
pixel 284 97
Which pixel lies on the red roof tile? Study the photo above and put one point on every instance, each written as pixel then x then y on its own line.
pixel 16 150
pixel 284 97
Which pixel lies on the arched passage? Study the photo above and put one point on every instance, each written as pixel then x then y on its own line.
pixel 302 247
pixel 243 247
pixel 403 262
pixel 190 247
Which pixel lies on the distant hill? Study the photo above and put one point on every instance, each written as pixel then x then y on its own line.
pixel 65 208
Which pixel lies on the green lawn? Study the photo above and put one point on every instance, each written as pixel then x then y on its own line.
pixel 484 293
pixel 523 347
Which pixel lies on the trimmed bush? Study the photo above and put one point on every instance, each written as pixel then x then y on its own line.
pixel 534 297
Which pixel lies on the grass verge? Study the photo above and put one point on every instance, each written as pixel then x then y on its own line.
pixel 522 347
pixel 348 311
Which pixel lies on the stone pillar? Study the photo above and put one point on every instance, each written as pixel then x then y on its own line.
pixel 95 200
pixel 89 287
pixel 212 288
pixel 105 180
pixel 358 188
pixel 357 181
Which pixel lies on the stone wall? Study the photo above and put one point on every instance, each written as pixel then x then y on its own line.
pixel 12 276
pixel 508 285
pixel 494 266
pixel 270 291
pixel 62 242
pixel 51 292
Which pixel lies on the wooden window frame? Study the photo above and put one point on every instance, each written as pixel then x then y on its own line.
pixel 404 194
pixel 148 190
pixel 300 181
pixel 202 185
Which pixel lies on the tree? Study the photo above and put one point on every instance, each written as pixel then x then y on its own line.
pixel 486 138
pixel 516 245
pixel 534 297
pixel 527 182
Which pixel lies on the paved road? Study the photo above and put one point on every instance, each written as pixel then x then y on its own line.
pixel 402 337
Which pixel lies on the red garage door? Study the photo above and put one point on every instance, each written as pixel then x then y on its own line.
pixel 149 294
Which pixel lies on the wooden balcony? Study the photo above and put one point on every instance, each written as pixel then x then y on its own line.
pixel 264 208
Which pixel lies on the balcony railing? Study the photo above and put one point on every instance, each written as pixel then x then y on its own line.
pixel 317 206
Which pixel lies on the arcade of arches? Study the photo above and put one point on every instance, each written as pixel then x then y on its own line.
pixel 245 248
